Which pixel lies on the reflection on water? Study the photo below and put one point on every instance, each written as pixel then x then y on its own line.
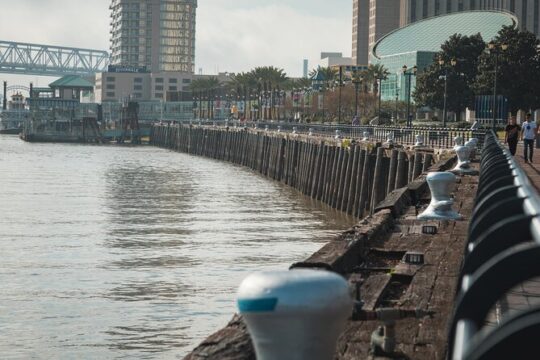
pixel 119 252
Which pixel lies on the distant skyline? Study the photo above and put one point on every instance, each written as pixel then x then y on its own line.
pixel 232 35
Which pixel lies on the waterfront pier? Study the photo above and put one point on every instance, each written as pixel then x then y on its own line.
pixel 349 176
pixel 392 259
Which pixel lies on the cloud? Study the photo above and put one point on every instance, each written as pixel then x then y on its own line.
pixel 239 39
pixel 72 23
pixel 232 35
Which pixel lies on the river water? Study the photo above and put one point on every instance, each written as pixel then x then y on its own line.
pixel 111 252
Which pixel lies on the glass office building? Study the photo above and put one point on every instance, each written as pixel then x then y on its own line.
pixel 526 11
pixel 158 35
pixel 417 44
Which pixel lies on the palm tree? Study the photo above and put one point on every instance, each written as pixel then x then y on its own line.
pixel 206 88
pixel 271 81
pixel 373 74
pixel 270 74
pixel 242 85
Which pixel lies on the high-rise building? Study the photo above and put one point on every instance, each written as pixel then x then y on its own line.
pixel 305 69
pixel 372 19
pixel 156 34
pixel 527 11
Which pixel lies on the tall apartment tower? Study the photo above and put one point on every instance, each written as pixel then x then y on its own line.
pixel 156 34
pixel 372 19
pixel 527 11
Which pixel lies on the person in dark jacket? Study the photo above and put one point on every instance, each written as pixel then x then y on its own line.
pixel 511 137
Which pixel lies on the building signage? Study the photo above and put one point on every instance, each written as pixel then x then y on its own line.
pixel 127 69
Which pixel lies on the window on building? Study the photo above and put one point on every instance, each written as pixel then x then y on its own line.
pixel 536 9
pixel 424 9
pixel 159 80
pixel 448 6
pixel 137 87
pixel 137 95
pixel 111 86
pixel 173 80
pixel 413 10
pixel 186 81
pixel 137 80
pixel 460 5
pixel 111 78
pixel 524 14
pixel 109 94
pixel 173 88
pixel 159 95
pixel 159 87
pixel 513 6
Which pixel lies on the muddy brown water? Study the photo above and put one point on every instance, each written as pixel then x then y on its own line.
pixel 113 252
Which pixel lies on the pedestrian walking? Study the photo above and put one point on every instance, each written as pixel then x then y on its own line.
pixel 511 137
pixel 355 121
pixel 528 134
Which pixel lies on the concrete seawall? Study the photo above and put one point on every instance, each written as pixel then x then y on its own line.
pixel 386 188
pixel 352 178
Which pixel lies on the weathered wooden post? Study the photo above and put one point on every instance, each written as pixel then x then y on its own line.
pixel 378 182
pixel 393 171
pixel 401 175
pixel 418 157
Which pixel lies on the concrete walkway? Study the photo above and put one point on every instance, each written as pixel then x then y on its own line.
pixel 525 295
pixel 531 169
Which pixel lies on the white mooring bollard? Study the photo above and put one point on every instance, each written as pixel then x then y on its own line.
pixel 472 144
pixel 390 138
pixel 310 133
pixel 458 141
pixel 463 167
pixel 279 128
pixel 441 185
pixel 419 141
pixel 338 135
pixel 297 314
pixel 366 136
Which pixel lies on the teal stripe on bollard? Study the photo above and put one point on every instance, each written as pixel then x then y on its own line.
pixel 257 305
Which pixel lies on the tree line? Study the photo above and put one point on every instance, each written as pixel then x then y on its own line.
pixel 469 64
pixel 270 85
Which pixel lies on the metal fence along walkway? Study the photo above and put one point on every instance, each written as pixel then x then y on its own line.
pixel 433 137
pixel 502 254
pixel 34 59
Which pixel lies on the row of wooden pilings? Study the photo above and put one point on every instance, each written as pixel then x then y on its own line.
pixel 349 177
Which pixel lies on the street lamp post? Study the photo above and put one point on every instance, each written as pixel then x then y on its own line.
pixel 379 80
pixel 453 62
pixel 357 80
pixel 495 49
pixel 397 98
pixel 408 74
pixel 200 104
pixel 339 100
pixel 319 83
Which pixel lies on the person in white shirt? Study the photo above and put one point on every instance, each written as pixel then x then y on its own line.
pixel 529 132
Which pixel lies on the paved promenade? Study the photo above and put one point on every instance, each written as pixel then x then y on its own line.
pixel 532 169
pixel 525 295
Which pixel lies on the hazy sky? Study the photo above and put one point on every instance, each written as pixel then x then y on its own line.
pixel 232 35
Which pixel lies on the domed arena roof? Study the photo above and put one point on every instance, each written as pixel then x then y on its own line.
pixel 429 34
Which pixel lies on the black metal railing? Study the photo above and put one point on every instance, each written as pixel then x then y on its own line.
pixel 433 137
pixel 502 252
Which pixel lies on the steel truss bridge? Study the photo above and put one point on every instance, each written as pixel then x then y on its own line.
pixel 48 60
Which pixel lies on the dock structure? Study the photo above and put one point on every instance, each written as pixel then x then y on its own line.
pixel 349 176
pixel 458 289
pixel 370 255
